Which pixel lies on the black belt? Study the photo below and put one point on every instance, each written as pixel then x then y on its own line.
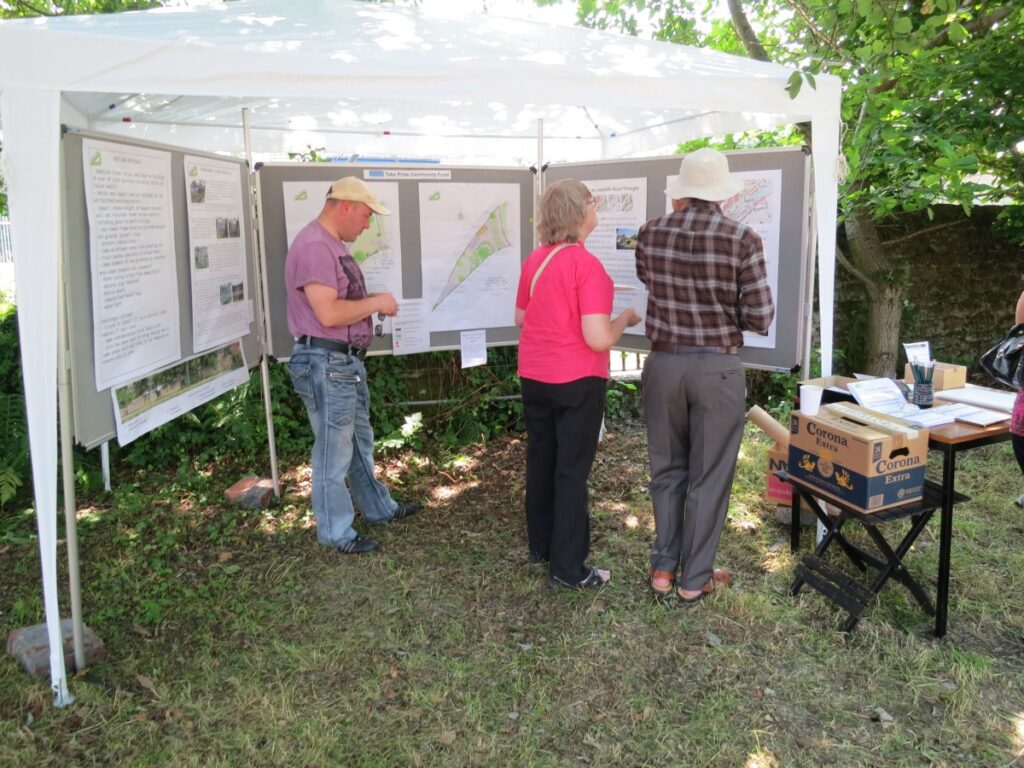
pixel 682 349
pixel 334 345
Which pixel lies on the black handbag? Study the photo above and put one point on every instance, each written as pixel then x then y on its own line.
pixel 1005 361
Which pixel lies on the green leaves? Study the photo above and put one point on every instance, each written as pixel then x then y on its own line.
pixel 957 32
pixel 796 81
pixel 794 85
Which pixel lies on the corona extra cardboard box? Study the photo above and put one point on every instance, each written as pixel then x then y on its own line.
pixel 863 458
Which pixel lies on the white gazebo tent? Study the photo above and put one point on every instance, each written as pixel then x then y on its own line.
pixel 354 78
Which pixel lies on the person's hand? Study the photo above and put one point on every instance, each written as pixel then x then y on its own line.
pixel 386 304
pixel 632 318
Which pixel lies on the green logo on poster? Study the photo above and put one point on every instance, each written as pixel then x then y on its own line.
pixel 435 196
pixel 193 171
pixel 96 159
pixel 302 195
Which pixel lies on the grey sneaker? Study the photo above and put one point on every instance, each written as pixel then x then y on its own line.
pixel 357 546
pixel 405 509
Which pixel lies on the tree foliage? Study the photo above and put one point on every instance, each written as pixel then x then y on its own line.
pixel 930 108
pixel 16 9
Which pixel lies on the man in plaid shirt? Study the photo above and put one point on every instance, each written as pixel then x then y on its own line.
pixel 707 283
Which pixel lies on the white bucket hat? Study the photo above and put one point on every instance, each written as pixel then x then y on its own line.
pixel 704 174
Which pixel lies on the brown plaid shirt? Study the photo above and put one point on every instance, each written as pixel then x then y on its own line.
pixel 706 278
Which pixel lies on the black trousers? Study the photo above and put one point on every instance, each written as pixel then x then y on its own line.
pixel 1018 449
pixel 562 425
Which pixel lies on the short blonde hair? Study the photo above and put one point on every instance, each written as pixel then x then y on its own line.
pixel 563 209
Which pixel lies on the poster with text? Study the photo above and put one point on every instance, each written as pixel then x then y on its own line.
pixel 621 211
pixel 471 250
pixel 217 247
pixel 143 405
pixel 377 251
pixel 131 258
pixel 759 206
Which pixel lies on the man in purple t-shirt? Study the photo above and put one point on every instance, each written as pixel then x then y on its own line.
pixel 329 314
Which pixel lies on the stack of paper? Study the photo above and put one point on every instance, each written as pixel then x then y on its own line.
pixel 933 417
pixel 882 395
pixel 982 397
pixel 970 414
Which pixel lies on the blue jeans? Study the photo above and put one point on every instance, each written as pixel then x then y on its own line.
pixel 333 387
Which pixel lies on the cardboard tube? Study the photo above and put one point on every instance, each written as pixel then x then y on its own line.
pixel 771 427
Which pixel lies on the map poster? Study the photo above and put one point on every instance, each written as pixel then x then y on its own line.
pixel 378 251
pixel 217 247
pixel 759 206
pixel 131 260
pixel 472 253
pixel 621 211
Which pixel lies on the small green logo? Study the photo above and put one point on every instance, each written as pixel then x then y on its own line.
pixel 302 195
pixel 436 196
pixel 96 159
pixel 193 171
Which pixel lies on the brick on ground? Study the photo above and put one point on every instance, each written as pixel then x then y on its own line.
pixel 251 492
pixel 30 647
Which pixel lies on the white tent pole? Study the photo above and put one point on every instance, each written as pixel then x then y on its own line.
pixel 260 288
pixel 67 461
pixel 825 153
pixel 539 185
pixel 809 284
pixel 819 529
pixel 31 120
pixel 105 464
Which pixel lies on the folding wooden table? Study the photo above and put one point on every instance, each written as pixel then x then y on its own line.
pixel 854 596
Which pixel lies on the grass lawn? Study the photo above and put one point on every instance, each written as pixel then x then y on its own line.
pixel 234 639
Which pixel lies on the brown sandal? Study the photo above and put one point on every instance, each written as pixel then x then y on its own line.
pixel 719 577
pixel 662 582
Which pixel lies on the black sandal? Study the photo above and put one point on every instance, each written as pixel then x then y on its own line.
pixel 592 579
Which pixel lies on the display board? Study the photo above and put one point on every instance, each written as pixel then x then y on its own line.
pixel 234 307
pixel 455 238
pixel 775 201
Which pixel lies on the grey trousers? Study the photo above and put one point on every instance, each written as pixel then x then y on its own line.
pixel 694 409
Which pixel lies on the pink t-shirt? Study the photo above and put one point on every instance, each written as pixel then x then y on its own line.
pixel 317 256
pixel 1017 419
pixel 551 345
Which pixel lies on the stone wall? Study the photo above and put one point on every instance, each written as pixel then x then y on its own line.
pixel 963 285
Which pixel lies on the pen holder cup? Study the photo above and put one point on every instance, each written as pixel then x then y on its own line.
pixel 924 395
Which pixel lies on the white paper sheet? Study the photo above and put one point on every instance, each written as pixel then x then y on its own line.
pixel 882 395
pixel 473 345
pixel 410 329
pixel 469 235
pixel 144 405
pixel 621 211
pixel 217 246
pixel 131 259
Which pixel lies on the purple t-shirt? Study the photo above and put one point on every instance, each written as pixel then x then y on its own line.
pixel 316 256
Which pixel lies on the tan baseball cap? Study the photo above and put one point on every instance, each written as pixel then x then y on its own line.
pixel 355 190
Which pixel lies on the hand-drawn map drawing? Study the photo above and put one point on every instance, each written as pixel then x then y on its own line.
pixel 471 251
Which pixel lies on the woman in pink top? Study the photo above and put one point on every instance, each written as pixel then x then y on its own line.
pixel 564 308
pixel 1017 420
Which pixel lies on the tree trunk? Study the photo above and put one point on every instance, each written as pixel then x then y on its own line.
pixel 884 312
pixel 884 287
